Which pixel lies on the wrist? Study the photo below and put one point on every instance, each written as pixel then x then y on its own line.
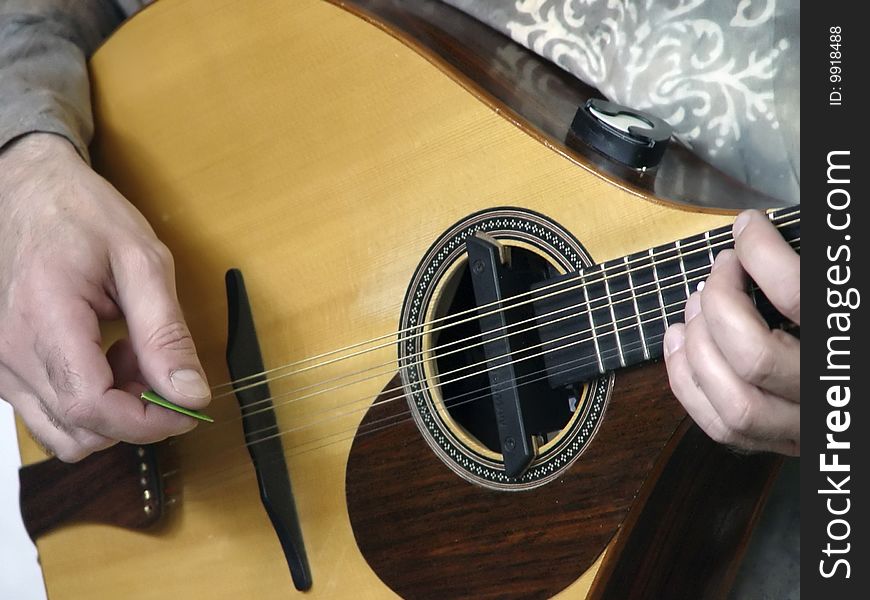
pixel 33 150
pixel 36 146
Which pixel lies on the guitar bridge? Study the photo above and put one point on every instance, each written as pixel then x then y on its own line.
pixel 261 429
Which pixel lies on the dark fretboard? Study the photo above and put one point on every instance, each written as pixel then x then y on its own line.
pixel 615 314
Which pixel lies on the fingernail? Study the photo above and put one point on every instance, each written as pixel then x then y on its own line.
pixel 189 383
pixel 673 341
pixel 740 223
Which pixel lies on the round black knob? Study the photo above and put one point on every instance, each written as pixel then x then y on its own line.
pixel 629 136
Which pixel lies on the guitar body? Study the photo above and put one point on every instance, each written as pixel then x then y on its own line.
pixel 323 158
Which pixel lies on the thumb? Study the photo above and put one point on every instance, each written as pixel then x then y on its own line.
pixel 145 280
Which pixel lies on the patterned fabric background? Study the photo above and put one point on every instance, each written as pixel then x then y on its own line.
pixel 724 73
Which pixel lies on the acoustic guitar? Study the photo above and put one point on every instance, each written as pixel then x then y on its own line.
pixel 433 323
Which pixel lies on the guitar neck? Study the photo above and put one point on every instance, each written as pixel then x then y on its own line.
pixel 614 314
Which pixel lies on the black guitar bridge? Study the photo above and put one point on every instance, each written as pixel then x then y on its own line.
pixel 261 429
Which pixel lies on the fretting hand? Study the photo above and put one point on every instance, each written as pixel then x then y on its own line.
pixel 737 378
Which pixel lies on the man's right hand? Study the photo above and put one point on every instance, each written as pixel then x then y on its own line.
pixel 73 252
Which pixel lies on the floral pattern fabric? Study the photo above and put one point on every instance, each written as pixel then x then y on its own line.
pixel 724 74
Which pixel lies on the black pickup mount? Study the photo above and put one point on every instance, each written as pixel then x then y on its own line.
pixel 526 409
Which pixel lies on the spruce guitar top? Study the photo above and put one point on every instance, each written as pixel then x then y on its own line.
pixel 435 331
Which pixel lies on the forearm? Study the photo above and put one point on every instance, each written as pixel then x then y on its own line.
pixel 44 45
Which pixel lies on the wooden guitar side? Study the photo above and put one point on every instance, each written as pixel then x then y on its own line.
pixel 319 155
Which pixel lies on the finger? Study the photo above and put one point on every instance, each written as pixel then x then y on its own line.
pixel 686 389
pixel 699 407
pixel 145 280
pixel 125 368
pixel 769 359
pixel 56 441
pixel 770 261
pixel 743 409
pixel 43 424
pixel 693 306
pixel 122 360
pixel 83 383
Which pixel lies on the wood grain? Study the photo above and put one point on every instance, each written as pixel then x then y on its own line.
pixel 110 487
pixel 686 540
pixel 408 509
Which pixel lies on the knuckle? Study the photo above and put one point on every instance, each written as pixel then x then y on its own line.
pixel 71 453
pixel 714 299
pixel 162 254
pixel 92 441
pixel 740 417
pixel 757 364
pixel 62 376
pixel 785 340
pixel 149 257
pixel 679 377
pixel 679 383
pixel 171 336
pixel 79 413
pixel 721 433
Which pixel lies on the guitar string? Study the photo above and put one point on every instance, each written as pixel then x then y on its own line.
pixel 774 217
pixel 705 243
pixel 656 283
pixel 392 363
pixel 243 467
pixel 611 331
pixel 400 389
pixel 610 353
pixel 525 350
pixel 435 357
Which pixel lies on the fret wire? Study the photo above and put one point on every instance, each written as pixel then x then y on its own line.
pixel 709 248
pixel 636 311
pixel 658 288
pixel 592 323
pixel 613 319
pixel 682 268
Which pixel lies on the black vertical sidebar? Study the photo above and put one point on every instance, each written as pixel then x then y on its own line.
pixel 835 420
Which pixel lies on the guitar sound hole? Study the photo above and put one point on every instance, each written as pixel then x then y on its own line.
pixel 465 389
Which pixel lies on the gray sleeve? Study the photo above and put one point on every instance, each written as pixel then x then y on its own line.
pixel 44 45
